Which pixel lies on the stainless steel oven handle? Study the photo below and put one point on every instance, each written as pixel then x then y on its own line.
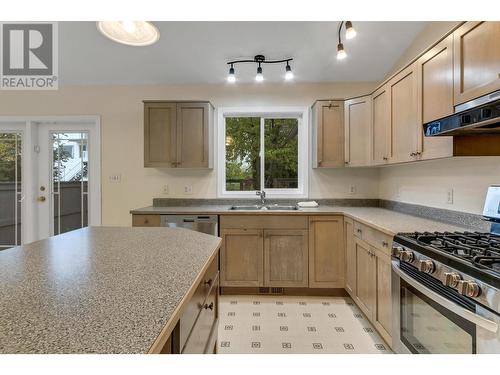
pixel 460 311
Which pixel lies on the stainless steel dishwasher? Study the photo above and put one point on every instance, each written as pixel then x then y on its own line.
pixel 200 223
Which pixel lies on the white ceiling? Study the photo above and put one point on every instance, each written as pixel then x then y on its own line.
pixel 197 52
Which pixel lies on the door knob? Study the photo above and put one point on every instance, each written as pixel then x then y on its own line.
pixel 41 199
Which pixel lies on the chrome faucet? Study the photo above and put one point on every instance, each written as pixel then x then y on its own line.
pixel 262 195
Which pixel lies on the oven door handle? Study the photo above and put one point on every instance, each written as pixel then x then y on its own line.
pixel 460 311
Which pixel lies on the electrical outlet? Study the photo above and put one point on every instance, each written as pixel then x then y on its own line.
pixel 449 196
pixel 398 192
pixel 352 189
pixel 115 178
pixel 188 189
pixel 164 189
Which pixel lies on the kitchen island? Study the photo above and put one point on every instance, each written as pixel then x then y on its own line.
pixel 104 290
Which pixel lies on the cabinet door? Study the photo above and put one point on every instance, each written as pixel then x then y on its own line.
pixel 357 131
pixel 242 255
pixel 435 97
pixel 329 125
pixel 365 278
pixel 381 122
pixel 326 252
pixel 477 60
pixel 160 134
pixel 193 135
pixel 285 258
pixel 350 254
pixel 383 310
pixel 404 128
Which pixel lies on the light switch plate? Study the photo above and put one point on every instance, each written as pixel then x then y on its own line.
pixel 115 178
pixel 188 189
pixel 164 189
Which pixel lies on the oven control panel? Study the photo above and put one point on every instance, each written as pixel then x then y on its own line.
pixel 448 276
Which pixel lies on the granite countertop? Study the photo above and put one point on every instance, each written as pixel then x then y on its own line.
pixel 97 289
pixel 387 221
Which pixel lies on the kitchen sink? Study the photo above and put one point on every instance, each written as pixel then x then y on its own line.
pixel 245 208
pixel 282 208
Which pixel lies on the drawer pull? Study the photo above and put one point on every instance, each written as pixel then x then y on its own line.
pixel 385 243
pixel 207 306
pixel 146 221
pixel 360 231
pixel 208 282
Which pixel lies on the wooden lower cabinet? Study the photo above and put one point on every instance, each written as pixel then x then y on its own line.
pixel 382 318
pixel 285 258
pixel 242 257
pixel 350 257
pixel 365 278
pixel 326 252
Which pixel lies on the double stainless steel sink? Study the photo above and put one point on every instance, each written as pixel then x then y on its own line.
pixel 256 207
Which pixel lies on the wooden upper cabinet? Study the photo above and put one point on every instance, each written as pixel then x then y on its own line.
pixel 357 131
pixel 285 258
pixel 476 60
pixel 328 134
pixel 242 262
pixel 435 97
pixel 381 122
pixel 404 127
pixel 193 135
pixel 326 252
pixel 178 134
pixel 160 122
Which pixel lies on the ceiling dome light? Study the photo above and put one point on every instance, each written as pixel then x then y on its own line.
pixel 231 77
pixel 350 33
pixel 259 77
pixel 341 54
pixel 131 33
pixel 289 73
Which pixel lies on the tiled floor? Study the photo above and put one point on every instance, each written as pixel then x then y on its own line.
pixel 283 324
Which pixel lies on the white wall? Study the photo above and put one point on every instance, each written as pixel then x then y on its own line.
pixel 121 111
pixel 427 183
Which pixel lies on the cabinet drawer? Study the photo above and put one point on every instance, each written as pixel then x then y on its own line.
pixel 205 328
pixel 373 237
pixel 195 305
pixel 145 220
pixel 264 222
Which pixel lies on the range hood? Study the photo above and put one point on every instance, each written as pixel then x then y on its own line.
pixel 479 116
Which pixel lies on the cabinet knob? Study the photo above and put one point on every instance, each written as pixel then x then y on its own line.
pixel 385 243
pixel 208 282
pixel 146 221
pixel 359 230
pixel 385 158
pixel 208 307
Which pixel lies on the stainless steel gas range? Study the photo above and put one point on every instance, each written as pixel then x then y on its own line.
pixel 446 289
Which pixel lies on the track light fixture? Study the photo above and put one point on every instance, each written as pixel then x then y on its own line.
pixel 350 33
pixel 259 59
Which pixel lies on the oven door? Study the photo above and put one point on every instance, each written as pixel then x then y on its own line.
pixel 431 318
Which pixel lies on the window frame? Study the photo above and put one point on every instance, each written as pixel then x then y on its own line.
pixel 302 114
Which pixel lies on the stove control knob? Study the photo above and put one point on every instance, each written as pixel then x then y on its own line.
pixel 407 256
pixel 396 251
pixel 452 279
pixel 469 288
pixel 426 266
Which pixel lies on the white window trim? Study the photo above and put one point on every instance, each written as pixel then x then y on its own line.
pixel 302 113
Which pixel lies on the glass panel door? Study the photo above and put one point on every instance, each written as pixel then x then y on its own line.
pixel 429 328
pixel 11 189
pixel 70 167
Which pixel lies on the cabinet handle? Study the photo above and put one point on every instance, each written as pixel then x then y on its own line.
pixel 207 306
pixel 385 243
pixel 418 153
pixel 208 282
pixel 385 158
pixel 146 221
pixel 359 230
pixel 173 164
pixel 413 154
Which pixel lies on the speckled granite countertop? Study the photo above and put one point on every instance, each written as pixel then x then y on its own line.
pixel 390 222
pixel 98 289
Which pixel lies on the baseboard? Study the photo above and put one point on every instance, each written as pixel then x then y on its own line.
pixel 320 292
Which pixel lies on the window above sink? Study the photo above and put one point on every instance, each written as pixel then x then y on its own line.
pixel 262 149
